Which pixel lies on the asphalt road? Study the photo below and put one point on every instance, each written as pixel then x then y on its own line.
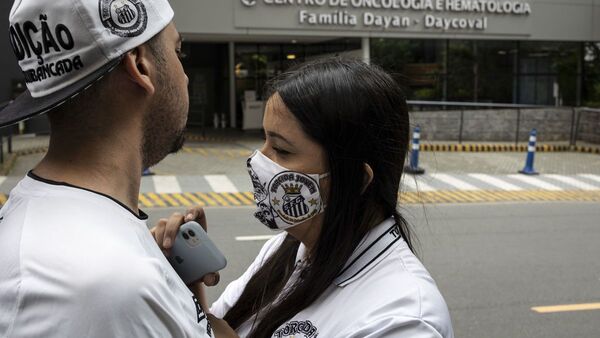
pixel 492 262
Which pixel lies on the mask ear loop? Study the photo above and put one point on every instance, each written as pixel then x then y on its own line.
pixel 322 176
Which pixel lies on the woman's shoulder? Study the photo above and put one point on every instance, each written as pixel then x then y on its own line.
pixel 400 288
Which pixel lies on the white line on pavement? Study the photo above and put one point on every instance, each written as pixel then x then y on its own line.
pixel 220 183
pixel 591 177
pixel 455 182
pixel 2 179
pixel 416 184
pixel 572 182
pixel 496 182
pixel 254 238
pixel 536 182
pixel 166 184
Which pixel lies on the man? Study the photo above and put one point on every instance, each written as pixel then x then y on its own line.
pixel 76 256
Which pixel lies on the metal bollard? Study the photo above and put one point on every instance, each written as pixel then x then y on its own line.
pixel 413 168
pixel 529 170
pixel 147 172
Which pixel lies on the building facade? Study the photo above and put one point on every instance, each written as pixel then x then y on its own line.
pixel 544 52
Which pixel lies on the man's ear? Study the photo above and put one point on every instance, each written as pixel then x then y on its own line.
pixel 138 67
pixel 368 178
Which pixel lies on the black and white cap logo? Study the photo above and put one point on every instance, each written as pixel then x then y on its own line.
pixel 249 3
pixel 125 18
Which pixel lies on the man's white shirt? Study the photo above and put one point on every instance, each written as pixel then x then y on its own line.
pixel 383 291
pixel 75 263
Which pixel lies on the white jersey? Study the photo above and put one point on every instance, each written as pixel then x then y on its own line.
pixel 75 263
pixel 383 291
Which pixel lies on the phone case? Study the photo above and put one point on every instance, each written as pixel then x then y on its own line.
pixel 194 255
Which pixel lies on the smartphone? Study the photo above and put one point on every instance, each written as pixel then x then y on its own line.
pixel 194 255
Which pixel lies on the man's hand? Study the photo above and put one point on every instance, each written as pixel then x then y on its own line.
pixel 165 233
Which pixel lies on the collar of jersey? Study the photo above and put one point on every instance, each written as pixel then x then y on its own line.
pixel 376 245
pixel 142 215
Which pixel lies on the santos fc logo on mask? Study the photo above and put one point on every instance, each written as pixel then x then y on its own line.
pixel 293 197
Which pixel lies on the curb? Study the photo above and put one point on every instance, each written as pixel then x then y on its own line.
pixel 241 199
pixel 200 138
pixel 9 163
pixel 474 148
pixel 31 151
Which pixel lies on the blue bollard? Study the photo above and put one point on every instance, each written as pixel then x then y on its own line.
pixel 413 168
pixel 528 170
pixel 147 172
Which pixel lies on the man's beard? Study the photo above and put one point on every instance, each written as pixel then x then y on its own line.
pixel 161 134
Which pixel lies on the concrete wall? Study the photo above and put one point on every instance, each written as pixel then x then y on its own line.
pixel 589 127
pixel 552 124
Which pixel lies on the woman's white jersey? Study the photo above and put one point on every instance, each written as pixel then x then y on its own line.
pixel 75 263
pixel 383 291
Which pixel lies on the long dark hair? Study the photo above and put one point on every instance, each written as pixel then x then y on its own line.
pixel 358 114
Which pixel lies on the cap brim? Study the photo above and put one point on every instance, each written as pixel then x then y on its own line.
pixel 25 106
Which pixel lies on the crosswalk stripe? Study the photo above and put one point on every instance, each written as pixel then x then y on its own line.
pixel 166 184
pixel 573 182
pixel 536 182
pixel 220 183
pixel 455 182
pixel 416 184
pixel 496 182
pixel 591 177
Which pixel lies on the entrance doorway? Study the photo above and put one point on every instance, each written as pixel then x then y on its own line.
pixel 206 65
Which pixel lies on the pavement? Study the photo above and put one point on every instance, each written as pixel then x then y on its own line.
pixel 210 170
pixel 505 270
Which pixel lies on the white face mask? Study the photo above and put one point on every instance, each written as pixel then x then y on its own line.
pixel 284 198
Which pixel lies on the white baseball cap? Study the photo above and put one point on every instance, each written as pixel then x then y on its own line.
pixel 65 46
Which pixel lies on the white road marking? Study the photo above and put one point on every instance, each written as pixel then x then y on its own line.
pixel 220 183
pixel 166 184
pixel 572 182
pixel 2 179
pixel 416 184
pixel 536 182
pixel 254 238
pixel 455 182
pixel 496 182
pixel 591 177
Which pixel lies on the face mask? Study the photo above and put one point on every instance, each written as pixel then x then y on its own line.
pixel 284 198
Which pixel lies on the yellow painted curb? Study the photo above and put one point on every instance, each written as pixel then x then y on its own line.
pixel 212 199
pixel 223 153
pixel 492 148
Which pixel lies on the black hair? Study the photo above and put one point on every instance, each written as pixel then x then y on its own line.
pixel 359 115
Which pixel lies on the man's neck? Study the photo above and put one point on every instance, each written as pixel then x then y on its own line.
pixel 105 167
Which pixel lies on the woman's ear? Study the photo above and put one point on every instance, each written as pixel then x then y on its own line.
pixel 138 68
pixel 368 178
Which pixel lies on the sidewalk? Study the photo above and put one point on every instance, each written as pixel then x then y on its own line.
pixel 211 170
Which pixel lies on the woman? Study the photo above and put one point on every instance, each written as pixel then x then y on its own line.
pixel 328 174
